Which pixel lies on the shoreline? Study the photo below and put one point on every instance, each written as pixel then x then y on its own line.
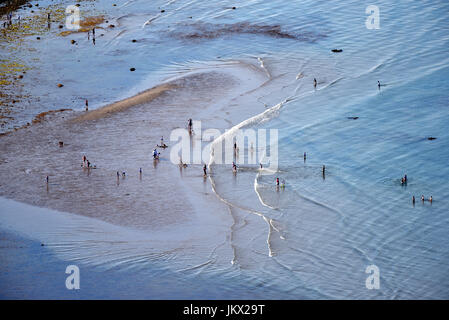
pixel 122 105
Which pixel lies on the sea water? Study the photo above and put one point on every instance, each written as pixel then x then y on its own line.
pixel 316 237
pixel 323 230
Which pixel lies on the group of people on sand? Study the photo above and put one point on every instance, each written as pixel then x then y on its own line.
pixel 8 21
pixel 280 184
pixel 236 150
pixel 155 152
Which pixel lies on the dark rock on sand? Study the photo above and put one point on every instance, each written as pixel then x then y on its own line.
pixel 353 118
pixel 431 138
pixel 72 42
pixel 132 69
pixel 134 40
pixel 337 50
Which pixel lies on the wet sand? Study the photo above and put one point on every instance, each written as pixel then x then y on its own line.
pixel 120 106
pixel 19 281
pixel 121 142
pixel 120 138
pixel 177 206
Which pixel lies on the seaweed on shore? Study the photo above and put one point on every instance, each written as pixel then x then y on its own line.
pixel 86 25
pixel 18 49
pixel 41 116
pixel 14 40
pixel 38 119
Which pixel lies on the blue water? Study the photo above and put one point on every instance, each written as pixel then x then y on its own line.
pixel 325 229
pixel 358 214
pixel 365 158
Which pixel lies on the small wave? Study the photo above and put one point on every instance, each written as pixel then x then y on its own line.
pixel 197 266
pixel 151 20
pixel 257 119
pixel 320 204
pixel 256 185
pixel 262 65
pixel 276 229
pixel 170 2
pixel 231 238
pixel 330 84
pixel 127 3
pixel 232 205
pixel 270 228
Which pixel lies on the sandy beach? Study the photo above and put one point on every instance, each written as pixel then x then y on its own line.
pixel 134 200
pixel 174 204
pixel 141 98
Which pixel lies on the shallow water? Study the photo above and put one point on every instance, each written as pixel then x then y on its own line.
pixel 315 238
